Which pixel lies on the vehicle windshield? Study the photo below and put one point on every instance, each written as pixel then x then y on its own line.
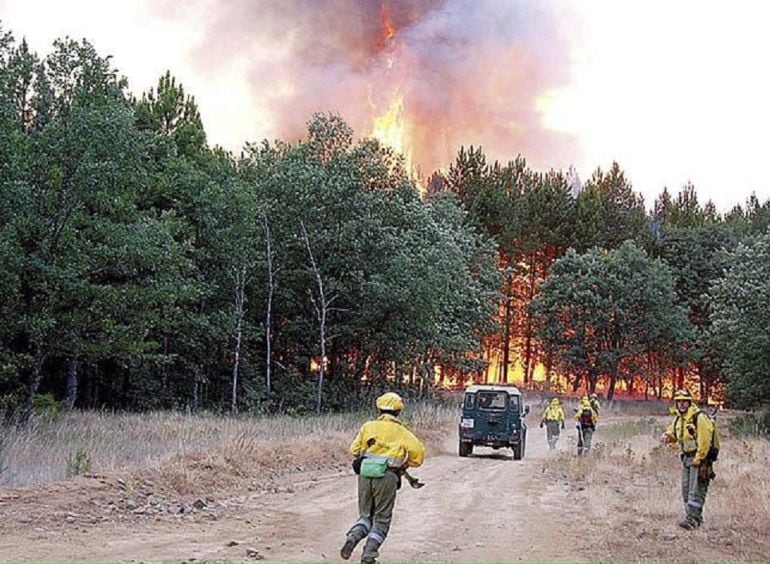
pixel 492 400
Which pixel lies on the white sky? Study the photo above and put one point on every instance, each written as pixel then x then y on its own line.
pixel 674 90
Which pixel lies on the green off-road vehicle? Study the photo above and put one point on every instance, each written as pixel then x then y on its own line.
pixel 493 416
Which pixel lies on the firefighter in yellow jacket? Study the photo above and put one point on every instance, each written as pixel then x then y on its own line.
pixel 586 419
pixel 693 431
pixel 553 419
pixel 383 448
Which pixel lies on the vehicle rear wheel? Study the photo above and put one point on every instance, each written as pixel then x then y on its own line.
pixel 465 449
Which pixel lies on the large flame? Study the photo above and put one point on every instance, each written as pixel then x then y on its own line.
pixel 390 127
pixel 454 72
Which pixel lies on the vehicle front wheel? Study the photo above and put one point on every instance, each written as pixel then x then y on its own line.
pixel 465 449
pixel 518 451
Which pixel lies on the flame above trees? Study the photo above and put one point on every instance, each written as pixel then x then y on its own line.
pixel 390 127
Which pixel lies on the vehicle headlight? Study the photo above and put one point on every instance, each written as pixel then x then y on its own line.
pixel 466 423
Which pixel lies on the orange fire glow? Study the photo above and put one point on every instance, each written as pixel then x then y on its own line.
pixel 388 32
pixel 390 127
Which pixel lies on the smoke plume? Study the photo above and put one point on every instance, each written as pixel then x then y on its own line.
pixel 466 71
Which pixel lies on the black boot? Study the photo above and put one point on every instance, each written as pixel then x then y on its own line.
pixel 371 552
pixel 348 547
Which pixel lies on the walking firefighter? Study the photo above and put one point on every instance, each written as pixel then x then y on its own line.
pixel 586 418
pixel 694 431
pixel 553 419
pixel 383 450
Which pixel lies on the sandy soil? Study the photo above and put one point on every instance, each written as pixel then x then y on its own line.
pixel 486 508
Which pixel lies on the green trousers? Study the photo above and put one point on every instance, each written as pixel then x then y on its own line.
pixel 585 437
pixel 693 491
pixel 376 499
pixel 552 433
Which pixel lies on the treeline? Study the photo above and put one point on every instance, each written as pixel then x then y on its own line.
pixel 142 269
pixel 599 292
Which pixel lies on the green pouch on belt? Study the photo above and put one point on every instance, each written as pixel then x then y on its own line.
pixel 373 467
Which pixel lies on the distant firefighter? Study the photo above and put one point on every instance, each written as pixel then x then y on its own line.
pixel 586 419
pixel 553 419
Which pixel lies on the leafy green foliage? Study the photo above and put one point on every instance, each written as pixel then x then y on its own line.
pixel 600 313
pixel 751 425
pixel 140 268
pixel 741 322
pixel 78 463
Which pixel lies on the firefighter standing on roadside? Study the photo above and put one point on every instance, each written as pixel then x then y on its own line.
pixel 552 418
pixel 586 419
pixel 694 434
pixel 383 448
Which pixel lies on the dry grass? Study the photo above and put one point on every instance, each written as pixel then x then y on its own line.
pixel 184 450
pixel 628 497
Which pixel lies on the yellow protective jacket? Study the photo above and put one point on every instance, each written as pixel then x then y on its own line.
pixel 392 441
pixel 553 413
pixel 693 434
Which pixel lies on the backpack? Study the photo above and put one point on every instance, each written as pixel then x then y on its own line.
pixel 586 418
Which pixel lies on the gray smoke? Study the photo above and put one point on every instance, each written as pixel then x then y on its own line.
pixel 470 71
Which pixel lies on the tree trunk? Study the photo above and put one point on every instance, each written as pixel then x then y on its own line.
pixel 196 392
pixel 322 333
pixel 34 383
pixel 701 381
pixel 239 278
pixel 269 316
pixel 507 331
pixel 72 381
pixel 528 329
pixel 321 307
pixel 611 387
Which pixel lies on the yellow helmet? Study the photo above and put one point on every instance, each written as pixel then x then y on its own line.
pixel 682 395
pixel 555 401
pixel 390 401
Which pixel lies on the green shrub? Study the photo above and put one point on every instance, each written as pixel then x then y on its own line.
pixel 751 425
pixel 78 463
pixel 45 406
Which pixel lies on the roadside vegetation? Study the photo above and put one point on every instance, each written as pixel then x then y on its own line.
pixel 173 445
pixel 627 496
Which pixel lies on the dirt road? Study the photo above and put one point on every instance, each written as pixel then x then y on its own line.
pixel 486 508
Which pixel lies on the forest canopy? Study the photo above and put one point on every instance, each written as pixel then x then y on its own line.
pixel 141 268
